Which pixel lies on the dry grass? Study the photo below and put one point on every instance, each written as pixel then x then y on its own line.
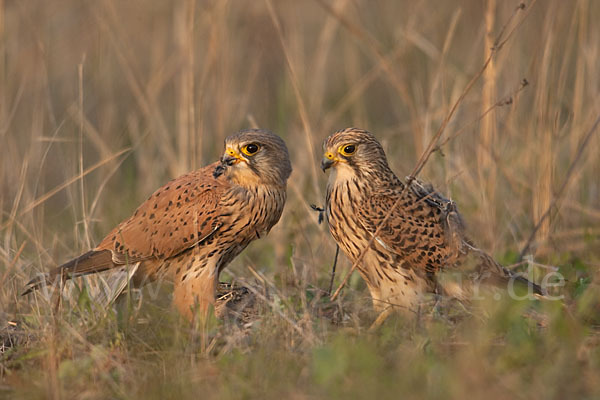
pixel 103 101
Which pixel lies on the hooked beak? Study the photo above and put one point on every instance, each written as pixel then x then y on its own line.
pixel 231 157
pixel 328 161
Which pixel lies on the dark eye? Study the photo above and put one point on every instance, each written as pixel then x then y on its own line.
pixel 250 149
pixel 348 149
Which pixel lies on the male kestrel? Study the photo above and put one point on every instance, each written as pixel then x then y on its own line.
pixel 423 235
pixel 195 225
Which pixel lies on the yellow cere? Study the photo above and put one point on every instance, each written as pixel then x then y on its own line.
pixel 234 154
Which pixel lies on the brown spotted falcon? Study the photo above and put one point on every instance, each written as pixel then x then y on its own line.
pixel 423 236
pixel 190 229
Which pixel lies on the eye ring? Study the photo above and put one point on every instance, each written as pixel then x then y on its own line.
pixel 347 149
pixel 250 149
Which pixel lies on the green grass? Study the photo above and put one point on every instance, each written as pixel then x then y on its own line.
pixel 82 80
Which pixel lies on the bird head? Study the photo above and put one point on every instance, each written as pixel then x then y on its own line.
pixel 255 156
pixel 354 152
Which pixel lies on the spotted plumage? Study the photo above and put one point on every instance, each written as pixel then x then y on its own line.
pixel 423 235
pixel 192 227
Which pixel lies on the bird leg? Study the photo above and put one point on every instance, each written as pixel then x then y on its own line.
pixel 381 318
pixel 194 296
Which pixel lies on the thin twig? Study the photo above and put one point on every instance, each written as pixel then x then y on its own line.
pixel 69 182
pixel 500 41
pixel 504 101
pixel 84 216
pixel 374 46
pixel 296 86
pixel 276 308
pixel 321 212
pixel 582 146
pixel 335 259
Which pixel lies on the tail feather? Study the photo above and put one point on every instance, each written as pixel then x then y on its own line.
pixel 115 284
pixel 490 268
pixel 88 263
pixel 537 289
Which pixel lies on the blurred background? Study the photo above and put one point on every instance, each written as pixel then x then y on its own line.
pixel 101 102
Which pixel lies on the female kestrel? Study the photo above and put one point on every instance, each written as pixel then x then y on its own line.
pixel 195 225
pixel 423 235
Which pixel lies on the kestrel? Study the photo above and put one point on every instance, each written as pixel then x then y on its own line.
pixel 423 235
pixel 195 225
